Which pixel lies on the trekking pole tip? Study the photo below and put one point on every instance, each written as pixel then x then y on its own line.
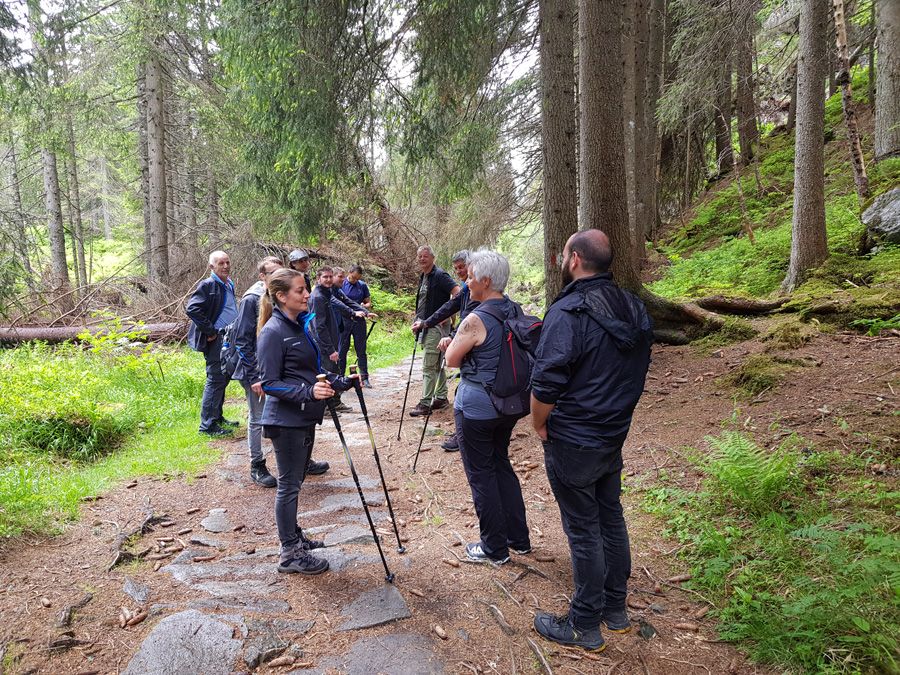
pixel 401 549
pixel 389 578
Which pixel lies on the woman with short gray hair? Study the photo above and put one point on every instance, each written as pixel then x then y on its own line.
pixel 484 446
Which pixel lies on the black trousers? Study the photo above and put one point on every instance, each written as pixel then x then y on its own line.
pixel 293 446
pixel 356 330
pixel 484 450
pixel 587 484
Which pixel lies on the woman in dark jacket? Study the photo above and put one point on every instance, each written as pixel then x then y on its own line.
pixel 289 361
pixel 484 445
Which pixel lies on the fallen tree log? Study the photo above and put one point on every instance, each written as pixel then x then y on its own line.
pixel 156 332
pixel 745 306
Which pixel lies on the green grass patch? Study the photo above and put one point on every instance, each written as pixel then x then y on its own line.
pixel 733 330
pixel 799 554
pixel 389 342
pixel 75 420
pixel 759 373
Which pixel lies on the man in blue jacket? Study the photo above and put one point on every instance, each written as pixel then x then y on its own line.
pixel 211 308
pixel 355 289
pixel 247 370
pixel 588 375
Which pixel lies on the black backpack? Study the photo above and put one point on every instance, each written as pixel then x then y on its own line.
pixel 230 357
pixel 511 390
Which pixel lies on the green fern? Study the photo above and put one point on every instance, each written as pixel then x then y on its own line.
pixel 746 475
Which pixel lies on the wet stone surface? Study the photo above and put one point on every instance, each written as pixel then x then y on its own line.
pixel 187 642
pixel 373 608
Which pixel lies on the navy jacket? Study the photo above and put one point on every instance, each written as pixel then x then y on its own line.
pixel 326 308
pixel 288 364
pixel 462 303
pixel 592 362
pixel 245 334
pixel 203 308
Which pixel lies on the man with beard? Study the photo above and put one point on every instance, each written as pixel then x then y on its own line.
pixel 588 375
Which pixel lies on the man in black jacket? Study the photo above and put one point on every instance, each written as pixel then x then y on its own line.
pixel 588 375
pixel 211 308
pixel 435 288
pixel 247 370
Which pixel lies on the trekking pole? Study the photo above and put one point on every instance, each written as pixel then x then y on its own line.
pixel 421 336
pixel 371 328
pixel 428 414
pixel 337 425
pixel 387 498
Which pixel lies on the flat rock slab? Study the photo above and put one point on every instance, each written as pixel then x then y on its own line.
pixel 349 534
pixel 188 642
pixel 216 521
pixel 200 540
pixel 373 608
pixel 347 483
pixel 400 654
pixel 136 591
pixel 338 502
pixel 339 560
pixel 242 589
pixel 195 573
pixel 257 605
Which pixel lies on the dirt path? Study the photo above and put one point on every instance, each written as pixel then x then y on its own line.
pixel 219 606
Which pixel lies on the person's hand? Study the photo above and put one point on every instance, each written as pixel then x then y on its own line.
pixel 360 314
pixel 417 326
pixel 322 391
pixel 371 315
pixel 257 389
pixel 541 431
pixel 444 343
pixel 212 338
pixel 333 357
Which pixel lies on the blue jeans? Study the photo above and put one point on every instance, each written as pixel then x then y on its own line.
pixel 254 429
pixel 293 446
pixel 357 330
pixel 587 484
pixel 214 389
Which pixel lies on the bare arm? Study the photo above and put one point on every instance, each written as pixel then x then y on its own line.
pixel 471 333
pixel 540 412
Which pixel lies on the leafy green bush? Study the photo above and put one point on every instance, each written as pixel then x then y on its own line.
pixel 392 306
pixel 746 475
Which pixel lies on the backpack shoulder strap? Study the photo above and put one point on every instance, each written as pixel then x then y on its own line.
pixel 492 312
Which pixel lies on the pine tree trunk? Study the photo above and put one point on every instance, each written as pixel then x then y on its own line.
pixel 156 161
pixel 104 199
pixel 59 267
pixel 856 155
pixel 809 244
pixel 558 139
pixel 722 119
pixel 887 96
pixel 630 85
pixel 746 101
pixel 75 204
pixel 144 163
pixel 792 106
pixel 637 206
pixel 648 187
pixel 603 203
pixel 20 232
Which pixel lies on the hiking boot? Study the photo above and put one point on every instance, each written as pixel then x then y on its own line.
pixel 216 431
pixel 520 550
pixel 475 553
pixel 439 404
pixel 301 562
pixel 616 620
pixel 366 383
pixel 559 629
pixel 260 475
pixel 419 410
pixel 314 468
pixel 228 423
pixel 451 444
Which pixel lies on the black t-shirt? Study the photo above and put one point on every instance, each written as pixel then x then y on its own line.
pixel 434 291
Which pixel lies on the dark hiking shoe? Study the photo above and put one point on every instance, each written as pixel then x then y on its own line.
pixel 260 475
pixel 216 431
pixel 343 407
pixel 559 629
pixel 439 404
pixel 475 554
pixel 520 550
pixel 616 620
pixel 419 410
pixel 366 383
pixel 228 423
pixel 451 444
pixel 314 468
pixel 302 562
